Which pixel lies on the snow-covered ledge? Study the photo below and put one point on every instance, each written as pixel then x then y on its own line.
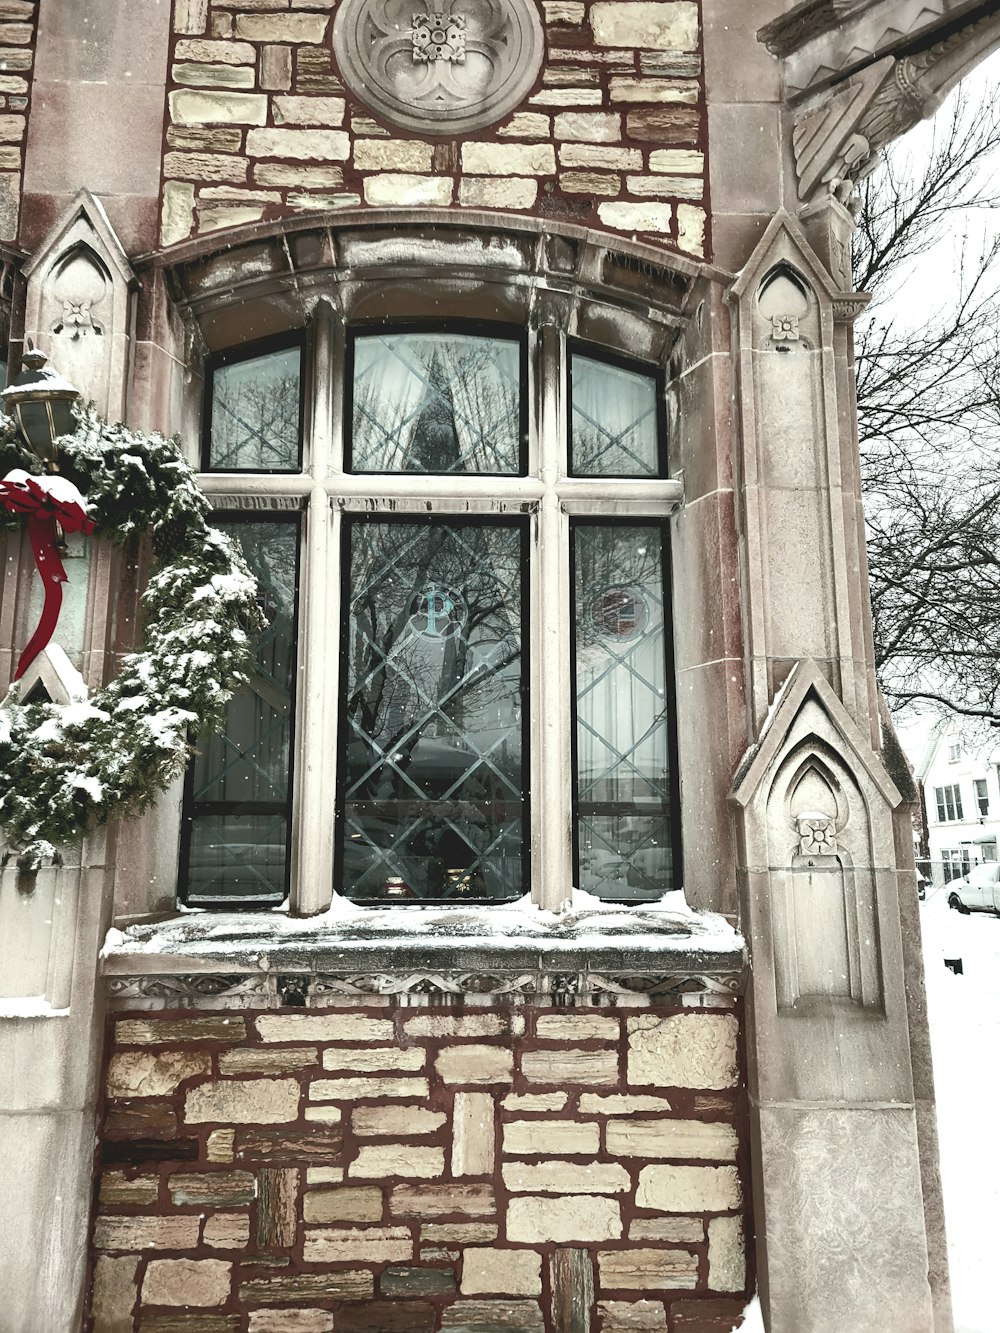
pixel 639 955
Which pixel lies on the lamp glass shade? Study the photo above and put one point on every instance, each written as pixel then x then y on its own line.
pixel 42 401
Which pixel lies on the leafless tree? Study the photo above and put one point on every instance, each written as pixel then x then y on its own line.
pixel 928 375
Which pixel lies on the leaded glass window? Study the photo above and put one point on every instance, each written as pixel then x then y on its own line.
pixel 616 426
pixel 624 726
pixel 238 807
pixel 254 417
pixel 433 804
pixel 437 402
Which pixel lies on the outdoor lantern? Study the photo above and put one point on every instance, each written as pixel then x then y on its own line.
pixel 42 401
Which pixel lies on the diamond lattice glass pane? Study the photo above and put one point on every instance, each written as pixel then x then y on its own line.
pixel 236 857
pixel 255 414
pixel 435 402
pixel 615 423
pixel 432 804
pixel 622 798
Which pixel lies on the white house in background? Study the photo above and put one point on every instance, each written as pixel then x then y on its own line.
pixel 961 788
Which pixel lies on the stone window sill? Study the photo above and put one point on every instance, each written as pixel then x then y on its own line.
pixel 484 955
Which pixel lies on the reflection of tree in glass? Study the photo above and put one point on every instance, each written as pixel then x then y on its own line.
pixel 608 558
pixel 430 403
pixel 614 421
pixel 255 414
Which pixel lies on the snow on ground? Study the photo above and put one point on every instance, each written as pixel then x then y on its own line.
pixel 965 1038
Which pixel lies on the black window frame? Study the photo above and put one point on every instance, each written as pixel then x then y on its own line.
pixel 190 808
pixel 648 369
pixel 470 328
pixel 276 342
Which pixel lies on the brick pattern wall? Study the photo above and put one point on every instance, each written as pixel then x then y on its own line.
pixel 260 126
pixel 18 20
pixel 529 1169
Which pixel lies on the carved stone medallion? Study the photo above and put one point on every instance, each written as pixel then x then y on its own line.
pixel 443 71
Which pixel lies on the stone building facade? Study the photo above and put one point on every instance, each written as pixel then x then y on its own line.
pixel 341 1085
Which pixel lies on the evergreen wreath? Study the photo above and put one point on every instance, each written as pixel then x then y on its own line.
pixel 66 768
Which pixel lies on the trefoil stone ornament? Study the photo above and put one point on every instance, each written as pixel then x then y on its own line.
pixel 439 37
pixel 443 71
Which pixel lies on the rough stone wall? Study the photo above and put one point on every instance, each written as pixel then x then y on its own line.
pixel 17 42
pixel 259 125
pixel 541 1170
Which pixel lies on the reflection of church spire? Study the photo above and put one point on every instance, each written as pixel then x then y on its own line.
pixel 434 444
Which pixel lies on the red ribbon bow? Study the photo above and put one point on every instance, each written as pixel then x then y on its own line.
pixel 47 501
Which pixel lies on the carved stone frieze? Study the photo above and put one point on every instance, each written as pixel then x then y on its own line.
pixel 446 71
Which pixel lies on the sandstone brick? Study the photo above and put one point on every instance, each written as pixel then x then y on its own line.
pixel 395 1120
pixel 324 1175
pixel 370 1245
pixel 691 229
pixel 351 1204
pixel 186 1282
pixel 677 1230
pixel 621 1103
pixel 296 199
pixel 190 107
pixel 309 178
pixel 599 157
pixel 600 183
pixel 507 159
pixel 683 1050
pixel 218 218
pixel 464 1025
pixel 11 58
pixel 473 1134
pixel 666 187
pixel 388 1317
pixel 250 1101
pixel 153 1073
pixel 294 28
pixel 726 1257
pixel 219 1147
pixel 376 1160
pixel 212 1187
pixel 190 15
pixel 407 1280
pixel 670 26
pixel 369 1058
pixel 282 1145
pixel 689 1189
pixel 233 193
pixel 672 125
pixel 526 125
pixel 504 1272
pixel 398 189
pixel 647 1270
pixel 664 1137
pixel 581 75
pixel 140 1117
pixel 187 1322
pixel 570 1066
pixel 624 89
pixel 525 1138
pixel 459 1233
pixel 636 217
pixel 475 1064
pixel 361 1089
pixel 590 127
pixel 276 1208
pixel 670 64
pixel 566 1177
pixel 302 145
pixel 428 1201
pixel 210 167
pixel 308 110
pixel 207 139
pixel 499 1316
pixel 407 155
pixel 276 68
pixel 290 1321
pixel 135 1232
pixel 254 1059
pixel 559 97
pixel 682 161
pixel 199 75
pixel 10 159
pixel 563 12
pixel 364 127
pixel 515 192
pixel 322 1027
pixel 535 1101
pixel 216 53
pixel 160 1031
pixel 114 1293
pixel 632 1317
pixel 227 1231
pixel 116 1188
pixel 349 1284
pixel 567 1218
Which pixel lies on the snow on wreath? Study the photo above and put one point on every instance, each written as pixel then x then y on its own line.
pixel 66 768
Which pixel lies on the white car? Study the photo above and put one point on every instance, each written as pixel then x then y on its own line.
pixel 979 891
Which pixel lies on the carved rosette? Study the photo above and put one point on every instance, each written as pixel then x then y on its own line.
pixel 460 68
